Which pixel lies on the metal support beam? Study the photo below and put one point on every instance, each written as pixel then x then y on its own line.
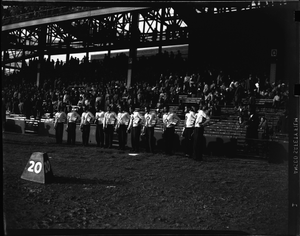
pixel 42 43
pixel 134 31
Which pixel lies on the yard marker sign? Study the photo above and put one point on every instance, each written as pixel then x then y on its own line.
pixel 38 168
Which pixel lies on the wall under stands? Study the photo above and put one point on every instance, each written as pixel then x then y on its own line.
pixel 215 145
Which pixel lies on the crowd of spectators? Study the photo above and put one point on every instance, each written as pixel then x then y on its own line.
pixel 158 80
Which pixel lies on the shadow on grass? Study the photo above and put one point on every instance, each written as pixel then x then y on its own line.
pixel 81 181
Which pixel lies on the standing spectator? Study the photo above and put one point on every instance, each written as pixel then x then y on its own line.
pixel 150 119
pixel 135 126
pixel 198 138
pixel 263 125
pixel 72 118
pixel 110 118
pixel 238 95
pixel 170 120
pixel 99 120
pixel 59 121
pixel 190 118
pixel 252 130
pixel 86 119
pixel 27 107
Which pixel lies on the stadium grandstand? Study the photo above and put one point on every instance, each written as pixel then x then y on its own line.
pixel 177 54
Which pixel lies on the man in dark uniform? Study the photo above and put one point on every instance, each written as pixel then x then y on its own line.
pixel 110 119
pixel 72 118
pixel 150 120
pixel 99 120
pixel 170 120
pixel 86 119
pixel 135 123
pixel 59 120
pixel 189 122
pixel 123 120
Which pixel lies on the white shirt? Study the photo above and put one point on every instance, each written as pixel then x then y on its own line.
pixel 100 117
pixel 135 119
pixel 170 119
pixel 123 118
pixel 109 118
pixel 199 118
pixel 73 116
pixel 190 119
pixel 87 118
pixel 60 117
pixel 150 119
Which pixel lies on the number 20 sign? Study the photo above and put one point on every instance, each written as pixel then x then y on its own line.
pixel 38 168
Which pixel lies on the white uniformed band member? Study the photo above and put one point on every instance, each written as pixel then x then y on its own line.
pixel 150 121
pixel 198 139
pixel 59 121
pixel 86 119
pixel 72 118
pixel 123 120
pixel 189 122
pixel 136 120
pixel 110 119
pixel 99 121
pixel 170 120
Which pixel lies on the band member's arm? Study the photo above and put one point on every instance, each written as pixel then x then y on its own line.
pixel 164 124
pixel 130 123
pixel 92 117
pixel 118 121
pixel 96 118
pixel 207 119
pixel 104 121
pixel 176 119
pixel 82 118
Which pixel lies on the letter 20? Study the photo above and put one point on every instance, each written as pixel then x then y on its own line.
pixel 35 167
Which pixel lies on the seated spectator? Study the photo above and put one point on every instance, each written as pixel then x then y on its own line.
pixel 276 100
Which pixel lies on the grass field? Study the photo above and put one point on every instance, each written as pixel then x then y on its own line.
pixel 98 188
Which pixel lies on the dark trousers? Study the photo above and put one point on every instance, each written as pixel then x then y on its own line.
pixel 109 133
pixel 86 135
pixel 100 135
pixel 149 135
pixel 188 147
pixel 198 143
pixel 135 138
pixel 71 133
pixel 169 139
pixel 59 132
pixel 122 136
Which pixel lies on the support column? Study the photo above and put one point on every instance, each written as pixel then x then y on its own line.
pixel 273 66
pixel 134 30
pixel 161 30
pixel 42 44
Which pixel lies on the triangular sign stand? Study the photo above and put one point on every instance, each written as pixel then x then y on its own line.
pixel 38 168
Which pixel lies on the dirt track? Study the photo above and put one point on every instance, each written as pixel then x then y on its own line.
pixel 98 188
